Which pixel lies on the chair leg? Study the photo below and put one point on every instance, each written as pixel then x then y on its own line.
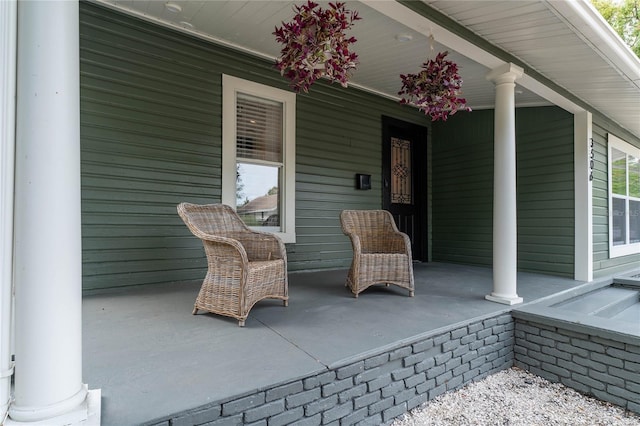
pixel 285 303
pixel 241 323
pixel 195 311
pixel 411 293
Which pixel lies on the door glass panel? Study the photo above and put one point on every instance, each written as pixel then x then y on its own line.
pixel 401 185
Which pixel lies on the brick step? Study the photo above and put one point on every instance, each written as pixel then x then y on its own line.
pixel 606 302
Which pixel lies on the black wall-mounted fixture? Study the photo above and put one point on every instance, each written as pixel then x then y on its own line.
pixel 363 181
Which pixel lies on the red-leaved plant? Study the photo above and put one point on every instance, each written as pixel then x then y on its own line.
pixel 315 45
pixel 435 89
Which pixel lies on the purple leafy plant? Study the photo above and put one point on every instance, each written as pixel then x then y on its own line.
pixel 435 89
pixel 315 45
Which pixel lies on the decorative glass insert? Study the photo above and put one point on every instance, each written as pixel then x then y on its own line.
pixel 401 184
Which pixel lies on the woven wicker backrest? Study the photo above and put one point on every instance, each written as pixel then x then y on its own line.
pixel 367 221
pixel 375 229
pixel 214 219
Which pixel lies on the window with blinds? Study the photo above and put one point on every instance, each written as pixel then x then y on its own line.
pixel 259 140
pixel 258 155
pixel 258 128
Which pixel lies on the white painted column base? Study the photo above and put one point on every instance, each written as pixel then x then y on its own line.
pixel 85 414
pixel 505 300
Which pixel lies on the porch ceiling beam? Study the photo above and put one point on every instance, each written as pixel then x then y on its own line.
pixel 421 24
pixel 406 16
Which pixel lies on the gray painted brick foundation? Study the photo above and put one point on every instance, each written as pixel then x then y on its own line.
pixel 594 365
pixel 374 390
pixel 380 387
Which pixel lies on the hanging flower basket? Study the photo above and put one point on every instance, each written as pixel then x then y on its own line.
pixel 315 45
pixel 435 89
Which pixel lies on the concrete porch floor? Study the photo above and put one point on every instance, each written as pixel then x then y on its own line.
pixel 152 358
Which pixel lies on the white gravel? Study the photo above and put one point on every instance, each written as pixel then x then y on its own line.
pixel 515 397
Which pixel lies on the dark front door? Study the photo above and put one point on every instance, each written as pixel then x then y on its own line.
pixel 404 180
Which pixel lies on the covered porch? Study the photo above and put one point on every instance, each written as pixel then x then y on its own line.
pixel 137 130
pixel 157 364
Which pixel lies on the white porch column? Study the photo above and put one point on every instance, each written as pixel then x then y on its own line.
pixel 8 41
pixel 505 226
pixel 48 263
pixel 583 164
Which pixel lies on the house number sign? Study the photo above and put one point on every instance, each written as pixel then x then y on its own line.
pixel 591 161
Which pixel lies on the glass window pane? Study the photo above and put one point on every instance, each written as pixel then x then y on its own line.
pixel 258 195
pixel 619 172
pixel 619 221
pixel 401 190
pixel 634 176
pixel 634 222
pixel 259 124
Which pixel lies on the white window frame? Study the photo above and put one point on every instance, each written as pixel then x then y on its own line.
pixel 230 87
pixel 627 148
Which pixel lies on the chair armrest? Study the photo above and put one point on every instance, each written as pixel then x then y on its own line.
pixel 356 243
pixel 385 242
pixel 211 243
pixel 262 245
pixel 399 242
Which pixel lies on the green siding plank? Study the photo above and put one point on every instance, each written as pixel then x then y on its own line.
pixel 545 178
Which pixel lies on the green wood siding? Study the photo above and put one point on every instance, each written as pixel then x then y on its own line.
pixel 463 189
pixel 602 264
pixel 151 137
pixel 462 192
pixel 146 132
pixel 600 198
pixel 545 180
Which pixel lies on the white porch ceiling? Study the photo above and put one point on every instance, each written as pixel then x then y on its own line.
pixel 561 40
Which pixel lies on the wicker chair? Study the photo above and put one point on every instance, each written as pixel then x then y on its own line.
pixel 381 253
pixel 245 266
